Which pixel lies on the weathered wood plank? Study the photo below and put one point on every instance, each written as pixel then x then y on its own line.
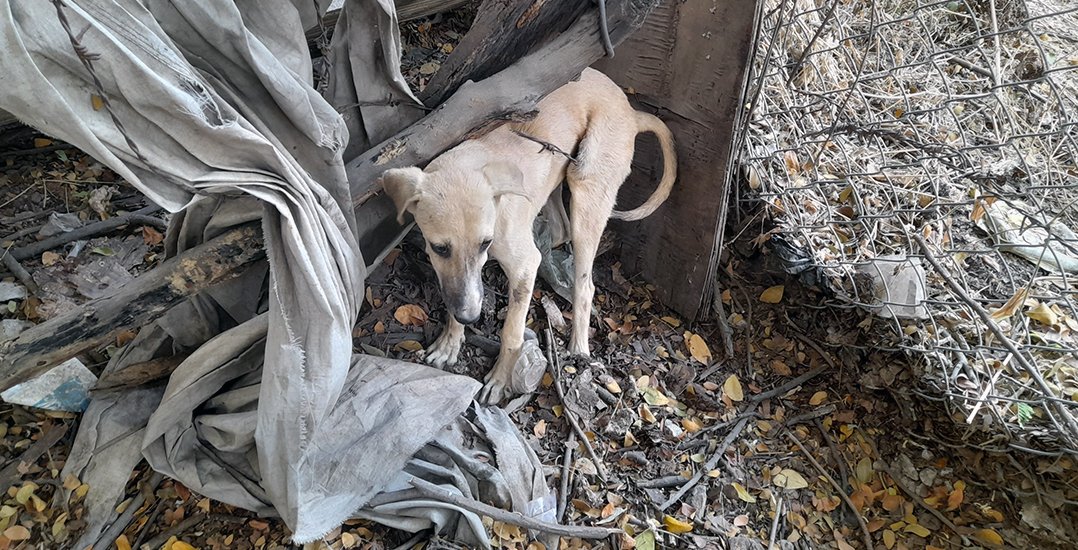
pixel 688 65
pixel 501 32
pixel 147 297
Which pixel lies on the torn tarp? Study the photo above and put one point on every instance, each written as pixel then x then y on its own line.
pixel 201 103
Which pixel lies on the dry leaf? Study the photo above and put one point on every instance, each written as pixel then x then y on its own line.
pixel 95 100
pixel 818 398
pixel 181 545
pixel 49 258
pixel 71 482
pixel 151 236
pixel 754 178
pixel 698 348
pixel 891 502
pixel 1013 305
pixel 954 500
pixel 743 493
pixel 741 521
pixel 408 345
pixel 540 429
pixel 772 295
pixel 122 543
pixel 732 388
pixel 258 525
pixel 919 530
pixel 781 368
pixel 889 539
pixel 348 540
pixel 676 526
pixel 38 143
pixel 792 165
pixel 986 535
pixel 410 314
pixel 17 533
pixel 429 68
pixel 379 328
pixel 1043 314
pixel 789 479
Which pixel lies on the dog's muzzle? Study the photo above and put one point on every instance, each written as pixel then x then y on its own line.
pixel 465 301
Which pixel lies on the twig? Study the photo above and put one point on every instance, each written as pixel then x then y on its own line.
pixel 998 332
pixel 10 474
pixel 662 482
pixel 412 541
pixel 916 497
pixel 20 272
pixel 442 494
pixel 563 493
pixel 117 528
pixel 775 525
pixel 971 67
pixel 161 539
pixel 792 383
pixel 724 325
pixel 22 233
pixel 139 216
pixel 811 415
pixel 748 334
pixel 157 509
pixel 845 498
pixel 713 461
pixel 834 451
pixel 554 366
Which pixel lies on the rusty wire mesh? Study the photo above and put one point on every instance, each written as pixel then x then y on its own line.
pixel 875 124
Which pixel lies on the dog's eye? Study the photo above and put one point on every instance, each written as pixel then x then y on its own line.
pixel 440 249
pixel 484 245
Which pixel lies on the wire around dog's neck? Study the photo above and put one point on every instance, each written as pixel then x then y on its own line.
pixel 547 146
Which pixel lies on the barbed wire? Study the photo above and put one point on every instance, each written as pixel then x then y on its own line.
pixel 877 125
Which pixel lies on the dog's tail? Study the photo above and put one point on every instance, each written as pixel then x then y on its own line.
pixel 650 123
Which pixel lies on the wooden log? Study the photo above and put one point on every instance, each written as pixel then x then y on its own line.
pixel 147 297
pixel 688 64
pixel 478 106
pixel 500 32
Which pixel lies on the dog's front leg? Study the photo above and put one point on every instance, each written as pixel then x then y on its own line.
pixel 520 269
pixel 443 353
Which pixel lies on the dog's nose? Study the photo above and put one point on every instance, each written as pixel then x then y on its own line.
pixel 466 320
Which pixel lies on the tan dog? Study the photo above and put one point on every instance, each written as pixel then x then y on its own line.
pixel 482 197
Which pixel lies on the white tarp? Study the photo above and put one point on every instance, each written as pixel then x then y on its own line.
pixel 206 106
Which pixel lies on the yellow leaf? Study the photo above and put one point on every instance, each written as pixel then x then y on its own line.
pixel 41 142
pixel 986 535
pixel 408 345
pixel 96 101
pixel 81 491
pixel 772 295
pixel 676 526
pixel 23 495
pixel 743 494
pixel 1043 314
pixel 348 540
pixel 17 532
pixel 698 348
pixel 122 543
pixel 889 539
pixel 818 398
pixel 181 545
pixel 891 502
pixel 732 388
pixel 789 479
pixel 1013 305
pixel 71 482
pixel 49 258
pixel 672 322
pixel 410 314
pixel 918 530
pixel 645 413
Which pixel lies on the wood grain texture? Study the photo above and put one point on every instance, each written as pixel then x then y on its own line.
pixel 687 64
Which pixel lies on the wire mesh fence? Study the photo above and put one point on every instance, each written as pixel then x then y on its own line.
pixel 921 158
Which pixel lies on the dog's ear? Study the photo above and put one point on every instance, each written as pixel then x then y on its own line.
pixel 505 178
pixel 405 186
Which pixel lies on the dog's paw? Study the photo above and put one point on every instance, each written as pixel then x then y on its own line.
pixel 579 347
pixel 444 351
pixel 499 381
pixel 494 391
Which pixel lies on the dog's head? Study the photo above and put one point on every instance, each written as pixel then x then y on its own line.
pixel 456 209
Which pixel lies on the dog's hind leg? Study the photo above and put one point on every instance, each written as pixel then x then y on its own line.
pixel 443 353
pixel 519 258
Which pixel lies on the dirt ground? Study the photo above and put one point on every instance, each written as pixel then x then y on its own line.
pixel 699 435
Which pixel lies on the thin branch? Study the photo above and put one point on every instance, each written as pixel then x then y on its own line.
pixel 867 537
pixel 442 494
pixel 139 216
pixel 573 419
pixel 713 461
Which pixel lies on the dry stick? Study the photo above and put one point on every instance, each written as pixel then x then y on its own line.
pixel 160 540
pixel 998 332
pixel 157 509
pixel 712 462
pixel 834 450
pixel 20 272
pixel 916 497
pixel 554 367
pixel 117 528
pixel 93 229
pixel 724 326
pixel 563 493
pixel 10 474
pixel 841 493
pixel 442 494
pixel 775 525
